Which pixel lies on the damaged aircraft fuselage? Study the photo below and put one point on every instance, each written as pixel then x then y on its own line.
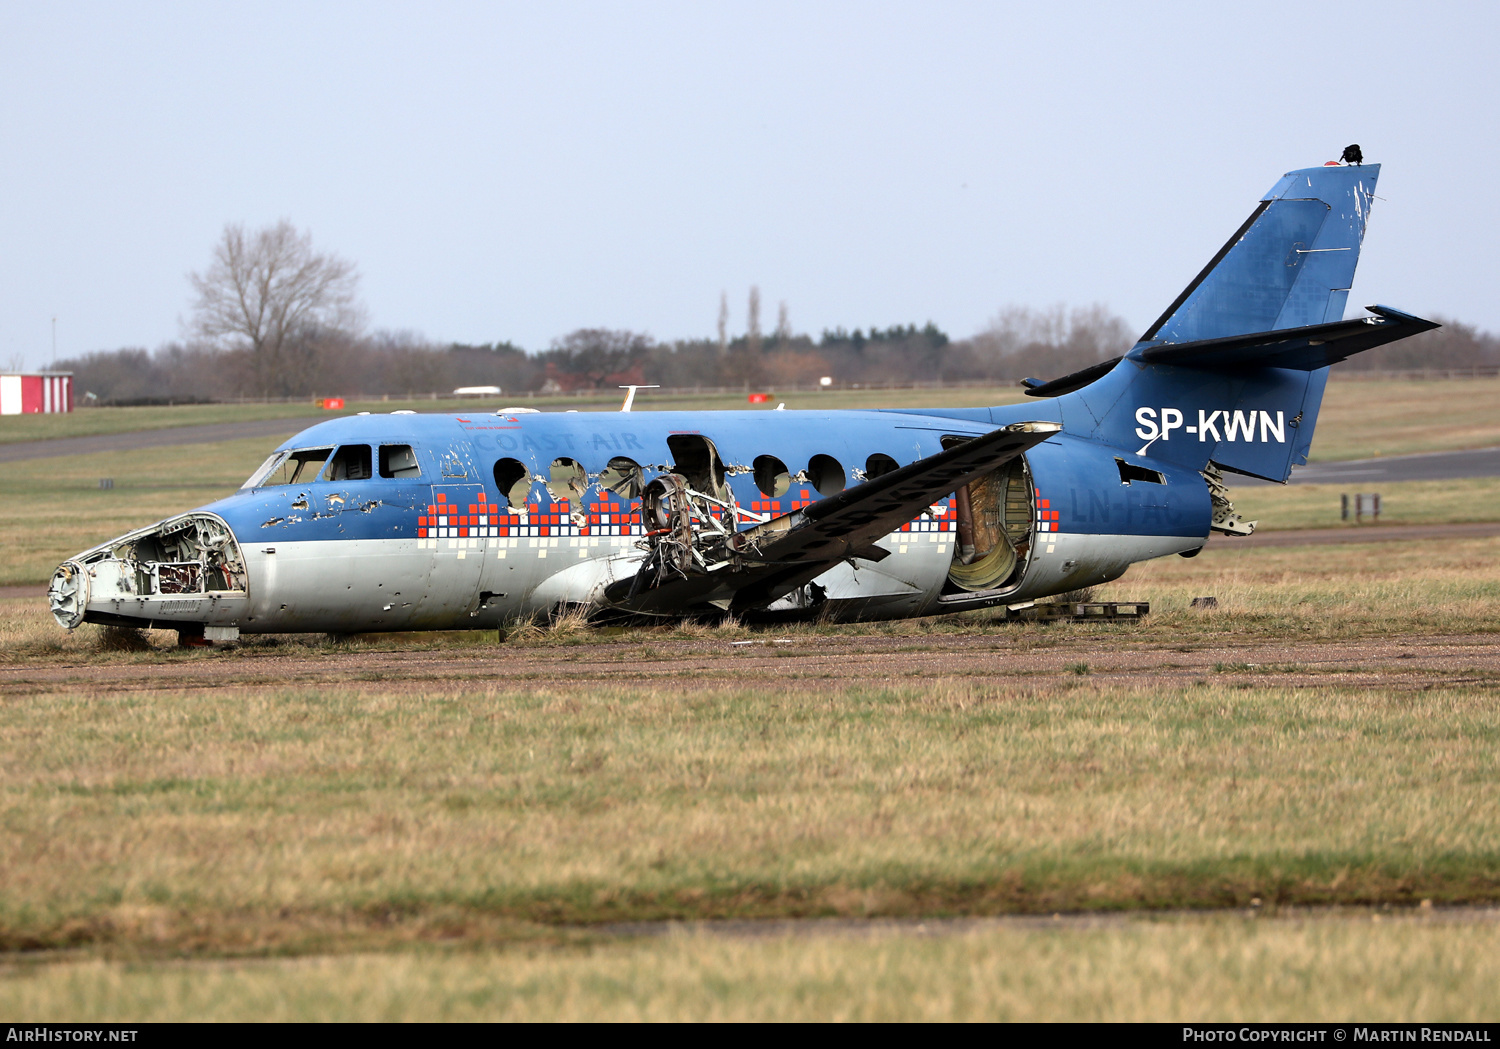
pixel 421 522
pixel 508 516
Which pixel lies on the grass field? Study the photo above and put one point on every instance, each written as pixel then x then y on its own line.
pixel 1358 591
pixel 89 422
pixel 260 809
pixel 1365 418
pixel 1370 966
pixel 399 842
pixel 51 509
pixel 301 819
pixel 1402 503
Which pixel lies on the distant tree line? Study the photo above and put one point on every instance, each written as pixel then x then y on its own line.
pixel 274 318
pixel 1018 343
pixel 1453 347
pixel 318 362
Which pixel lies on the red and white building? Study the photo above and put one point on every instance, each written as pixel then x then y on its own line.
pixel 30 393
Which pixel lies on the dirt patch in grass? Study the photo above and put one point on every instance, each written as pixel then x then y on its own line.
pixel 1117 654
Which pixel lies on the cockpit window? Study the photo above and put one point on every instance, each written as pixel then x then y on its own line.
pixel 398 460
pixel 263 470
pixel 297 467
pixel 350 463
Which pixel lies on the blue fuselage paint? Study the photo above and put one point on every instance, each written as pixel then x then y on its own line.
pixel 1078 475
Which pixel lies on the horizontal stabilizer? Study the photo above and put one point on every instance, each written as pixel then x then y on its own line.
pixel 1303 349
pixel 1070 382
pixel 774 558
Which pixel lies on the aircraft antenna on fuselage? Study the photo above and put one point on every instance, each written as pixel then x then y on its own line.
pixel 630 396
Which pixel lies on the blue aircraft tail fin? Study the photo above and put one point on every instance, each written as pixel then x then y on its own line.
pixel 1289 266
pixel 1233 372
pixel 1246 402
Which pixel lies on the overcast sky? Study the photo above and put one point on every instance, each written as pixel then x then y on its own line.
pixel 515 172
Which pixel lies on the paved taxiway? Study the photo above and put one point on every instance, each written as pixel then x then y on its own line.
pixel 128 442
pixel 1428 466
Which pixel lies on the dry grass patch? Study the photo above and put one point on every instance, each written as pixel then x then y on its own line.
pixel 1359 590
pixel 1402 503
pixel 1324 969
pixel 93 422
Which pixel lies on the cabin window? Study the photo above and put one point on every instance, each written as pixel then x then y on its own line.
pixel 623 477
pixel 826 474
pixel 880 464
pixel 567 479
pixel 695 457
pixel 350 463
pixel 513 481
pixel 772 476
pixel 298 467
pixel 399 460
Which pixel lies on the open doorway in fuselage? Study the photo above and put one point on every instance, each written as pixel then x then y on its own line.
pixel 995 520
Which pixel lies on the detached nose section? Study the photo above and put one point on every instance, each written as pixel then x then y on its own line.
pixel 186 573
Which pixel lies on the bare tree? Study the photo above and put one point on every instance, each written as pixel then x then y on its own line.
pixel 271 295
pixel 1050 342
pixel 752 331
pixel 597 357
pixel 723 321
pixel 742 364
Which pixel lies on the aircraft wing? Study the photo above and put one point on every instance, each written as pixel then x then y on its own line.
pixel 774 558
